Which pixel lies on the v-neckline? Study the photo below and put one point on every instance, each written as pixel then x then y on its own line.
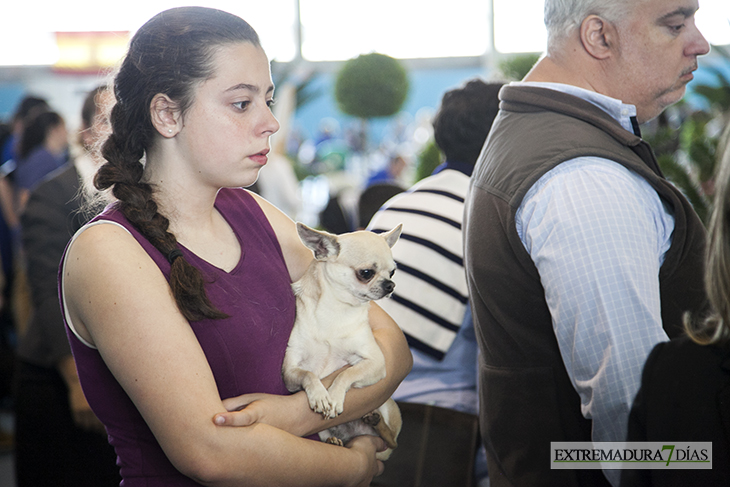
pixel 241 245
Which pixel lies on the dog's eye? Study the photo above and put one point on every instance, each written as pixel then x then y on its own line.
pixel 365 274
pixel 392 272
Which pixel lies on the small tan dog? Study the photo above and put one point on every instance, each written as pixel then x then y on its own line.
pixel 332 330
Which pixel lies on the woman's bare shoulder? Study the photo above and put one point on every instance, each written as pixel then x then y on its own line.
pixel 102 243
pixel 106 270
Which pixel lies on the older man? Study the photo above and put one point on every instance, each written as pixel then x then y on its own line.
pixel 580 255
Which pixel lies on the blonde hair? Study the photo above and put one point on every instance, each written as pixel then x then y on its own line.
pixel 715 329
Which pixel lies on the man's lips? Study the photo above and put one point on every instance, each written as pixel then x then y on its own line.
pixel 687 75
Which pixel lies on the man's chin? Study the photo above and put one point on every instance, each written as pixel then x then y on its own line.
pixel 676 95
pixel 667 99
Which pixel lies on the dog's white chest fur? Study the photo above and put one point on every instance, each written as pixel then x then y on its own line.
pixel 328 333
pixel 324 352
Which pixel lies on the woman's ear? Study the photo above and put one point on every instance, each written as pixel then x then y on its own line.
pixel 598 36
pixel 165 115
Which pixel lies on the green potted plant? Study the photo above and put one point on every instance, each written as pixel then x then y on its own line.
pixel 371 86
pixel 516 67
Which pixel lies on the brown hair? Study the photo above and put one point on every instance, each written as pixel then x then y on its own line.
pixel 170 54
pixel 36 130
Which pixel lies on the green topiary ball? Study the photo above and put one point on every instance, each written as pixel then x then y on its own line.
pixel 371 85
pixel 429 159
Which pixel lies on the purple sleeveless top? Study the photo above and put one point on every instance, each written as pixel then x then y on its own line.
pixel 245 351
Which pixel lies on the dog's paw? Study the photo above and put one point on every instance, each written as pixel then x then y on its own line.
pixel 337 403
pixel 333 440
pixel 319 402
pixel 334 409
pixel 330 410
pixel 372 419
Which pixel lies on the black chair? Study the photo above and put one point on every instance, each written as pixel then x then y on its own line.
pixel 436 447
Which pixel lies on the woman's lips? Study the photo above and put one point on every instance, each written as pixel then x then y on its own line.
pixel 260 158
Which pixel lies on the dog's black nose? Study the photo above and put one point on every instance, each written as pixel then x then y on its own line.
pixel 388 286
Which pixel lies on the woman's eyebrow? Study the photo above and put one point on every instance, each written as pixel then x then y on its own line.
pixel 246 86
pixel 243 86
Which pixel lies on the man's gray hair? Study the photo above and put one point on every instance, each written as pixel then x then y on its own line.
pixel 563 16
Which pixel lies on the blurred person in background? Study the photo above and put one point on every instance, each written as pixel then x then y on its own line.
pixel 277 180
pixel 59 440
pixel 391 173
pixel 9 226
pixel 42 149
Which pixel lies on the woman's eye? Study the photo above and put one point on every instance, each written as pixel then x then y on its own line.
pixel 271 102
pixel 241 105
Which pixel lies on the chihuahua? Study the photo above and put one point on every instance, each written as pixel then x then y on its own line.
pixel 332 330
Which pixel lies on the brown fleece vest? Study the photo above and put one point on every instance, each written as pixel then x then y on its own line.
pixel 527 400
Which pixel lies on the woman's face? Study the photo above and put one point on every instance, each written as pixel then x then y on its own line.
pixel 225 134
pixel 57 139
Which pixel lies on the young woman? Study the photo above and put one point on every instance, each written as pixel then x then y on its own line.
pixel 179 295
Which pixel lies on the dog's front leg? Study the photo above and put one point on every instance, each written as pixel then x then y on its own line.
pixel 364 373
pixel 319 398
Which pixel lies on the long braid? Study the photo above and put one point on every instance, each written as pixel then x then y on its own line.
pixel 170 57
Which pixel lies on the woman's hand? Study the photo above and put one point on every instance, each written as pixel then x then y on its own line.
pixel 287 413
pixel 280 412
pixel 369 446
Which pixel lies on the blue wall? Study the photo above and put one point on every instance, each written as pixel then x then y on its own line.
pixel 10 95
pixel 427 86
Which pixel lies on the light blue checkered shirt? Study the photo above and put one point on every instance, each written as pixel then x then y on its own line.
pixel 597 234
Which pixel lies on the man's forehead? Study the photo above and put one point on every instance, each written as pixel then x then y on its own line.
pixel 661 10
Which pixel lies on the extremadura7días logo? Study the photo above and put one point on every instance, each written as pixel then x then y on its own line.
pixel 630 455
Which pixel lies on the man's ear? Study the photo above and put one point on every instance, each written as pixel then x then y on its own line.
pixel 165 115
pixel 598 36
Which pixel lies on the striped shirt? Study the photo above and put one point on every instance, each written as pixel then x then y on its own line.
pixel 431 294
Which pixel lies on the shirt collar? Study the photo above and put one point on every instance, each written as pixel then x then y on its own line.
pixel 621 112
pixel 462 167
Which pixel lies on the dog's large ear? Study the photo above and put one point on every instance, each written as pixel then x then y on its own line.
pixel 392 236
pixel 323 244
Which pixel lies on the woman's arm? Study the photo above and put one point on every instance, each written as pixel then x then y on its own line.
pixel 278 411
pixel 293 414
pixel 129 314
